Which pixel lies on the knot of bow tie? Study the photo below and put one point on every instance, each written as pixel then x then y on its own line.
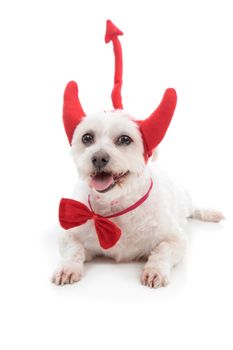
pixel 73 213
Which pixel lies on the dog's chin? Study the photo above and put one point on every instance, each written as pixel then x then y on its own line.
pixel 105 181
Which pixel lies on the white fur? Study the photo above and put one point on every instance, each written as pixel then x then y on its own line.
pixel 154 231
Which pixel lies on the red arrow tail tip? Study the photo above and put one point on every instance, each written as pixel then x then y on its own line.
pixel 111 31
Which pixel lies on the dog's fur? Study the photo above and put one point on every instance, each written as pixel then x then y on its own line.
pixel 154 231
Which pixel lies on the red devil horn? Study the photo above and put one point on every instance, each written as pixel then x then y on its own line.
pixel 72 109
pixel 154 128
pixel 112 33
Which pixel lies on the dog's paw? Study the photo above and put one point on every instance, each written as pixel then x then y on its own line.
pixel 152 278
pixel 68 274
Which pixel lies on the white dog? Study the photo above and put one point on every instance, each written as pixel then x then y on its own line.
pixel 111 151
pixel 108 151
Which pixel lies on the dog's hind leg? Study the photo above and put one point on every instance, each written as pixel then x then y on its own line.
pixel 163 257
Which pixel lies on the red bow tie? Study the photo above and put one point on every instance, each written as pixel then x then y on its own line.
pixel 73 213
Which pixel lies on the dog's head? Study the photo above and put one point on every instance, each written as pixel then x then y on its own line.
pixel 108 150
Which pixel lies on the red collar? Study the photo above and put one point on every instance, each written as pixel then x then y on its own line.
pixel 73 213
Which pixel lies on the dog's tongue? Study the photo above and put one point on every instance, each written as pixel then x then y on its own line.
pixel 101 181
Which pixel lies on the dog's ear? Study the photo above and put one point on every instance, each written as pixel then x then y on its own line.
pixel 154 128
pixel 72 109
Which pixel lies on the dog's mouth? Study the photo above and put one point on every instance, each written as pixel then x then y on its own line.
pixel 105 181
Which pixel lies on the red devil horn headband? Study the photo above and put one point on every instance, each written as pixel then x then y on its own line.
pixel 153 129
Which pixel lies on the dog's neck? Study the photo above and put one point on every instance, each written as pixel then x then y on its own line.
pixel 122 197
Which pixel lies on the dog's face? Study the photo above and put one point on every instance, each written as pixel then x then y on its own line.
pixel 108 150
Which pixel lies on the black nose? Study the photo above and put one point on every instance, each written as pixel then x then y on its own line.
pixel 100 159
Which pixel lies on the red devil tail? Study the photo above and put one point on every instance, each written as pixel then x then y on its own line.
pixel 112 33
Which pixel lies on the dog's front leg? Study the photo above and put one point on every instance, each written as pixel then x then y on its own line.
pixel 73 257
pixel 163 257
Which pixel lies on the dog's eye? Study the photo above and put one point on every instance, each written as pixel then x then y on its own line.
pixel 87 139
pixel 124 140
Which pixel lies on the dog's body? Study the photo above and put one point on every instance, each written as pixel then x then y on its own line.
pixel 154 231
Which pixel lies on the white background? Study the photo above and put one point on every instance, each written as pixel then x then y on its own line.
pixel 182 44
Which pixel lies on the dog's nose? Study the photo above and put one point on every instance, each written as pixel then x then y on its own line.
pixel 100 159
